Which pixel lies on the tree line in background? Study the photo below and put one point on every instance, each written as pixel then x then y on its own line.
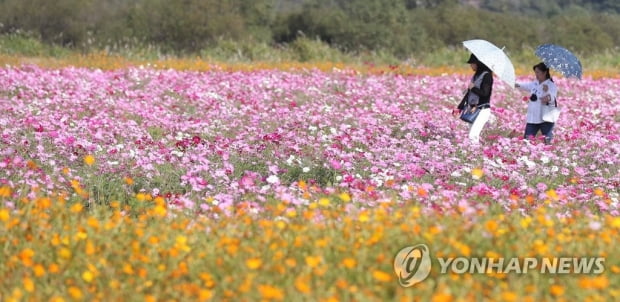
pixel 398 27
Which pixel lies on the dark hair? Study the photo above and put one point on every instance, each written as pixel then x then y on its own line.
pixel 481 66
pixel 542 67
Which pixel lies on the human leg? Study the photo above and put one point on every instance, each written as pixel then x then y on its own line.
pixel 478 124
pixel 547 130
pixel 531 130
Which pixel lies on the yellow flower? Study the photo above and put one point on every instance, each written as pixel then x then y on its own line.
pixel 551 194
pixel 381 276
pixel 64 253
pixel 89 159
pixel 525 222
pixel 205 295
pixel 4 215
pixel 302 185
pixel 324 202
pixel 141 196
pixel 313 261
pixel 159 210
pixel 253 263
pixel 363 217
pixel 38 270
pixel 28 284
pixel 76 208
pixel 88 276
pixel 128 180
pixel 127 269
pixel 344 197
pixel 615 223
pixel 150 298
pixel 477 173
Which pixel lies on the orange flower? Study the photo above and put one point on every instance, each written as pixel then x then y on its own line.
pixel 38 270
pixel 381 276
pixel 75 293
pixel 5 191
pixel 442 297
pixel 491 226
pixel 270 292
pixel 557 290
pixel 312 261
pixel 509 296
pixel 349 263
pixel 301 284
pixel 290 262
pixel 54 268
pixel 422 192
pixel 26 257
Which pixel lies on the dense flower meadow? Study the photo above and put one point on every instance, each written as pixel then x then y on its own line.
pixel 269 184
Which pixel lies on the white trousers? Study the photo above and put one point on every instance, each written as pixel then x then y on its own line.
pixel 476 127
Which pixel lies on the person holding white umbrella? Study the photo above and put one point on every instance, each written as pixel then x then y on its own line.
pixel 478 95
pixel 486 60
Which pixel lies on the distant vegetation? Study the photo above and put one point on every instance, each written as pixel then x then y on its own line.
pixel 303 30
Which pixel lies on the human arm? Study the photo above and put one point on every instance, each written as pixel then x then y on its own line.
pixel 550 92
pixel 525 86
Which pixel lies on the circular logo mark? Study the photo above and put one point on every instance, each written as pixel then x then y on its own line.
pixel 412 264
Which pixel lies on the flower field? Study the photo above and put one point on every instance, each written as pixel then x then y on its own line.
pixel 148 184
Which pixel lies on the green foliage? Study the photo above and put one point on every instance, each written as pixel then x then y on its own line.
pixel 306 30
pixel 27 45
pixel 304 50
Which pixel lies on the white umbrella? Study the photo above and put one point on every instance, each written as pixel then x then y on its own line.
pixel 494 58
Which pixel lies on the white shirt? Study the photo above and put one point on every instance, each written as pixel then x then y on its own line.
pixel 534 109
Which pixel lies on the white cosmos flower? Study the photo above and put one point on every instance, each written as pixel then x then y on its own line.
pixel 273 179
